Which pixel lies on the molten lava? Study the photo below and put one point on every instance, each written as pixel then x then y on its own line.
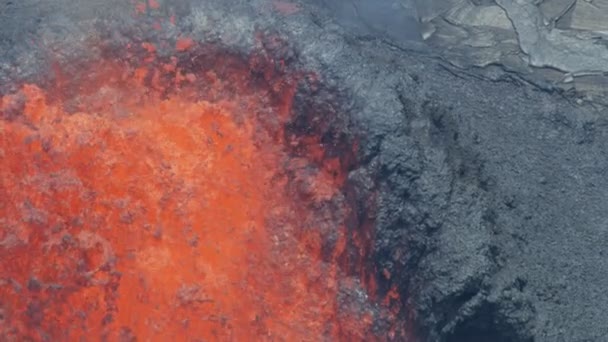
pixel 154 202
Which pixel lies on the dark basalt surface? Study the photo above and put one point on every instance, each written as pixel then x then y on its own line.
pixel 492 211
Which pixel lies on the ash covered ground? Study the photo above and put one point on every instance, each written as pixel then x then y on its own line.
pixel 491 214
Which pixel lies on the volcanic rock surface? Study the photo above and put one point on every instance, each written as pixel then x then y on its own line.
pixel 477 203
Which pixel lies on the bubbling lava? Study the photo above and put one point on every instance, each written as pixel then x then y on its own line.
pixel 153 203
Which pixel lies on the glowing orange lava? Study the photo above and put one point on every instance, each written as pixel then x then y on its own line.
pixel 139 209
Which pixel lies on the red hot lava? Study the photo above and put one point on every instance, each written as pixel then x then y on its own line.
pixel 154 202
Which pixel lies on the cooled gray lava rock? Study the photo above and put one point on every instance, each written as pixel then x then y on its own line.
pixel 492 213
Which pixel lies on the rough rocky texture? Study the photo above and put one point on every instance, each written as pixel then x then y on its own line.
pixel 491 214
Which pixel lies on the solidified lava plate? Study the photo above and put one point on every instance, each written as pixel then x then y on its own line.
pixel 164 198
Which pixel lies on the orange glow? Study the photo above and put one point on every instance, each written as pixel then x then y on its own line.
pixel 184 44
pixel 143 207
pixel 153 4
pixel 285 7
pixel 140 7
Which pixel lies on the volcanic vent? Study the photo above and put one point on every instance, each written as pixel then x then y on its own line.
pixel 201 195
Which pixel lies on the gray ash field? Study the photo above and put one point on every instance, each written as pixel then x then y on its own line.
pixel 490 215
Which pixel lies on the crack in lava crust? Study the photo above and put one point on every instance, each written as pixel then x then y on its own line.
pixel 152 202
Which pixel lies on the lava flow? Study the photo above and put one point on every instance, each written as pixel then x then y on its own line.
pixel 162 200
